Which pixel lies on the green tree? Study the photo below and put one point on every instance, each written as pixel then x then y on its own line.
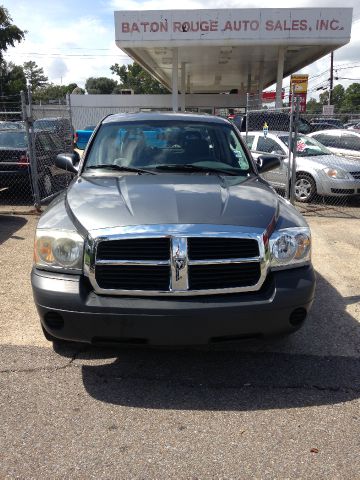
pixel 9 33
pixel 324 98
pixel 34 75
pixel 351 101
pixel 52 92
pixel 78 91
pixel 136 78
pixel 100 85
pixel 313 106
pixel 12 79
pixel 338 96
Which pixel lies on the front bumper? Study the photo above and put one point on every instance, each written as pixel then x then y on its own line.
pixel 337 187
pixel 69 309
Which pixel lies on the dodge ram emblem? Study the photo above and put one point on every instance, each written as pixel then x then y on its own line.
pixel 179 265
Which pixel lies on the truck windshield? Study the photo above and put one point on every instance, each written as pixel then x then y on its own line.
pixel 155 144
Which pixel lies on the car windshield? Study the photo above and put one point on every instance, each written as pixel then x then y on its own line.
pixel 165 145
pixel 12 139
pixel 306 146
pixel 44 124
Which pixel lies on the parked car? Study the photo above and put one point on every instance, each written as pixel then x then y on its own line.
pixel 351 123
pixel 316 126
pixel 341 142
pixel 355 127
pixel 335 122
pixel 15 170
pixel 318 170
pixel 81 137
pixel 275 121
pixel 182 243
pixel 59 126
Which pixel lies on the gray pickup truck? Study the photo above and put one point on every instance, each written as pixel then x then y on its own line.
pixel 168 236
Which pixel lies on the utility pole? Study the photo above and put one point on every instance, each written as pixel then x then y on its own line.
pixel 331 77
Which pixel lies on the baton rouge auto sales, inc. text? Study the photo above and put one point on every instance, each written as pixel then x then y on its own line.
pixel 291 25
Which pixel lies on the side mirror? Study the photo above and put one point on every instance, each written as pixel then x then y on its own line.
pixel 267 162
pixel 68 161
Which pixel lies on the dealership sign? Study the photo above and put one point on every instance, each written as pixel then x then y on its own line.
pixel 299 86
pixel 241 24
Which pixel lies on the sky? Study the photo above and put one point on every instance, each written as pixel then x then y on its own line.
pixel 75 39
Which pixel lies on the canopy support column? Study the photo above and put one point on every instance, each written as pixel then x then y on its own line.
pixel 175 80
pixel 183 86
pixel 279 78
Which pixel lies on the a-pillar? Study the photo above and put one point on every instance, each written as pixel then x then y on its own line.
pixel 279 78
pixel 175 80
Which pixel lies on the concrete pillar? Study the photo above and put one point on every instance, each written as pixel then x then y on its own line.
pixel 279 78
pixel 183 86
pixel 261 81
pixel 175 80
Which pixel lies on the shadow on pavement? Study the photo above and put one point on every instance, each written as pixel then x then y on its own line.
pixel 9 225
pixel 246 376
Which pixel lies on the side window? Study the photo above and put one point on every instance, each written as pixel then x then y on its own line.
pixel 45 143
pixel 326 140
pixel 350 142
pixel 268 145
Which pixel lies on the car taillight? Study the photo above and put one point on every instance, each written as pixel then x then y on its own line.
pixel 24 161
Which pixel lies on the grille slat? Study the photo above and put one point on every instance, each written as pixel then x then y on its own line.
pixel 134 249
pixel 222 248
pixel 133 278
pixel 203 277
pixel 356 175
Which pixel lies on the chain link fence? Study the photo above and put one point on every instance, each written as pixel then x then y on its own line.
pixel 15 178
pixel 31 136
pixel 324 162
pixel 321 154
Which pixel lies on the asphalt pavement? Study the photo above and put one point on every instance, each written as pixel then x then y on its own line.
pixel 270 409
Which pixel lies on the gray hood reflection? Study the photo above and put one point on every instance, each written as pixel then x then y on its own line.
pixel 113 201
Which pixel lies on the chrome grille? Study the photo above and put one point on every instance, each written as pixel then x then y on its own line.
pixel 355 175
pixel 182 260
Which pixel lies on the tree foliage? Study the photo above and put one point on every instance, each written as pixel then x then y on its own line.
pixel 100 85
pixel 9 33
pixel 136 78
pixel 34 75
pixel 52 92
pixel 344 100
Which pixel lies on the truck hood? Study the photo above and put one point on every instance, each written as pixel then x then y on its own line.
pixel 98 202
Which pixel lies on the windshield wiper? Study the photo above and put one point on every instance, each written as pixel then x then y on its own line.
pixel 121 168
pixel 189 167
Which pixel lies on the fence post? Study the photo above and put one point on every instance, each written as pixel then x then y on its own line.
pixel 294 149
pixel 247 117
pixel 68 103
pixel 291 126
pixel 28 120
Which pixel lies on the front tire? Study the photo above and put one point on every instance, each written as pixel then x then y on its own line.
pixel 305 188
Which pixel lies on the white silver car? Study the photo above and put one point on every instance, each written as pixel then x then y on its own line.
pixel 340 141
pixel 318 170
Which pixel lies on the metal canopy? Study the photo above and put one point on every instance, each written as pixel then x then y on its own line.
pixel 219 50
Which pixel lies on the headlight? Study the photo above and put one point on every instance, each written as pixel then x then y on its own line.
pixel 336 173
pixel 59 250
pixel 290 247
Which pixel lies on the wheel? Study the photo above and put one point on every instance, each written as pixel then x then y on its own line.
pixel 305 188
